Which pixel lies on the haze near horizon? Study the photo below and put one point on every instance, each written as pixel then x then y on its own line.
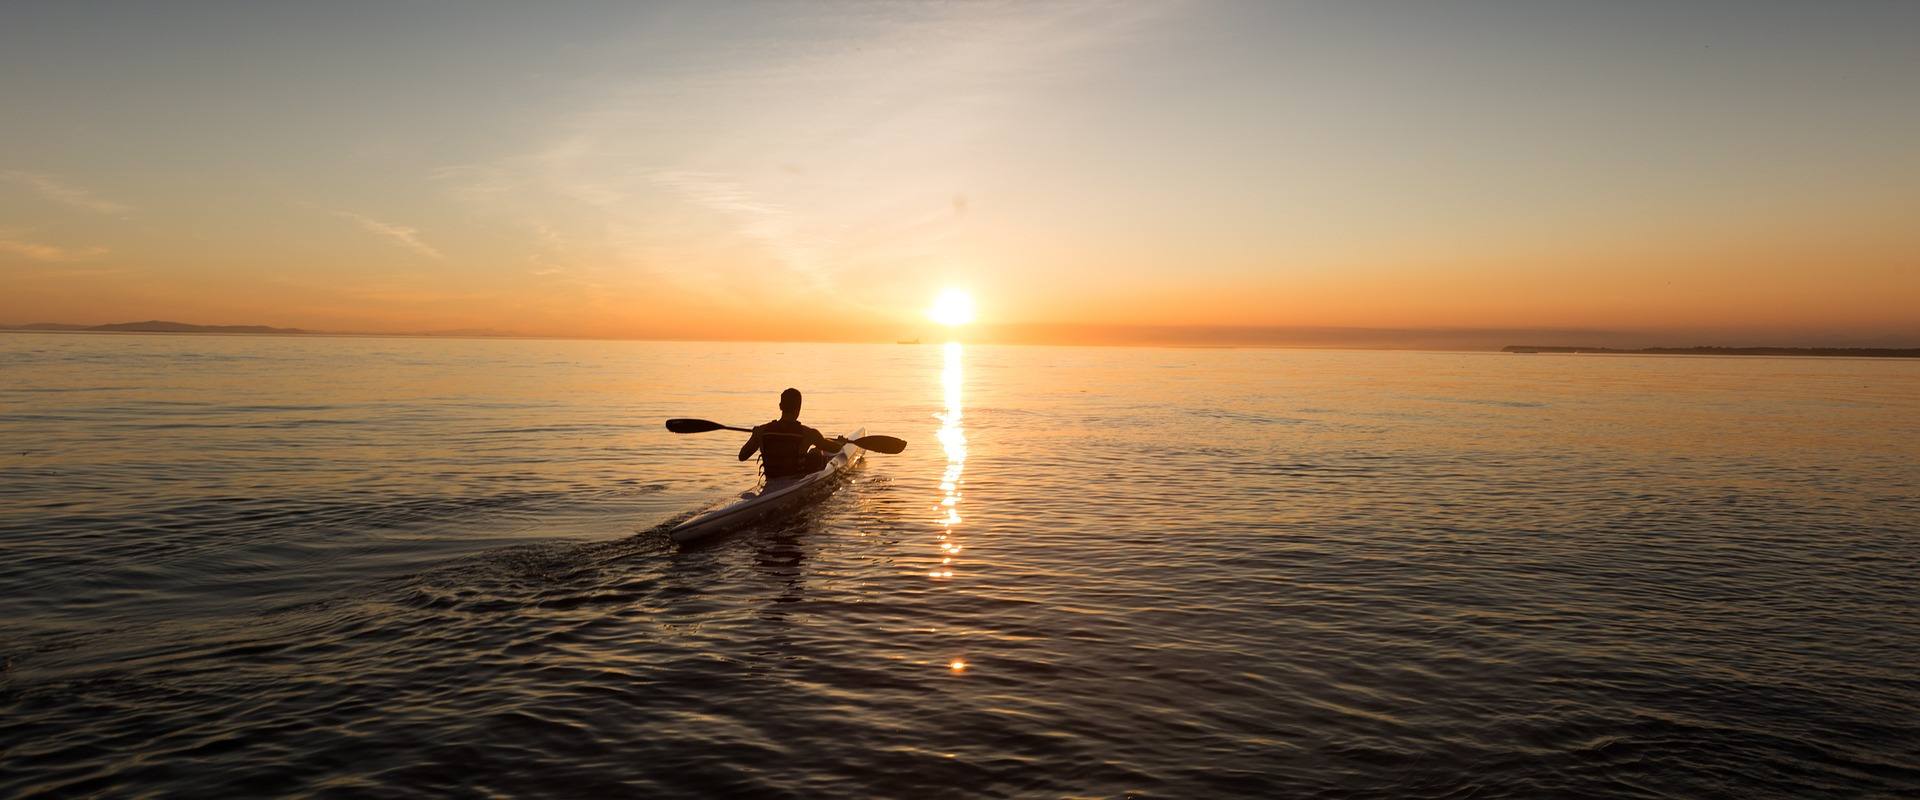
pixel 1702 174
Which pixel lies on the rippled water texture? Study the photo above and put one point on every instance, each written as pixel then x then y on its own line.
pixel 350 567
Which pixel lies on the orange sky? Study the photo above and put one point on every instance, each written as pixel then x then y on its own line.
pixel 1744 175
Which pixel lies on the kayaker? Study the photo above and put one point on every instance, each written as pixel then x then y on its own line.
pixel 788 447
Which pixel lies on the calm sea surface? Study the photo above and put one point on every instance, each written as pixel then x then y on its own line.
pixel 364 567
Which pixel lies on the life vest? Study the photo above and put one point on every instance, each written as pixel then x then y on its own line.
pixel 783 448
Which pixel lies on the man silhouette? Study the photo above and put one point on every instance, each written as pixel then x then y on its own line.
pixel 788 448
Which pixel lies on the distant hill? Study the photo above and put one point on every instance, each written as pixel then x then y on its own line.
pixel 163 326
pixel 1848 352
pixel 469 332
pixel 158 326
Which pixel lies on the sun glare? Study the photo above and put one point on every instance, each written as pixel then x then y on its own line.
pixel 952 307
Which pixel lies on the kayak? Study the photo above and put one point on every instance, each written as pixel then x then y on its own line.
pixel 777 495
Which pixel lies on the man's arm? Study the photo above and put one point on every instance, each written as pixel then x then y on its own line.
pixel 825 444
pixel 753 443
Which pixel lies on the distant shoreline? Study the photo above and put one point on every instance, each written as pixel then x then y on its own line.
pixel 1831 352
pixel 160 326
pixel 150 326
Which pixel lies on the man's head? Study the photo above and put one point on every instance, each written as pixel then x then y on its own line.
pixel 790 404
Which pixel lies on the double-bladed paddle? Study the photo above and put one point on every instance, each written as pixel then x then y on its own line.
pixel 880 444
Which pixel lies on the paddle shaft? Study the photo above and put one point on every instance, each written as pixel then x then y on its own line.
pixel 879 444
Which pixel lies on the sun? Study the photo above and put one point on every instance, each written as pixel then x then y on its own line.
pixel 952 308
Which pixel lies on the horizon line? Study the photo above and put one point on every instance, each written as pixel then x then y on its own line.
pixel 1389 336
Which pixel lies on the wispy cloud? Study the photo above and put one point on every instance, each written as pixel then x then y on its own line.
pixel 579 233
pixel 554 249
pixel 771 224
pixel 906 104
pixel 37 251
pixel 399 234
pixel 64 193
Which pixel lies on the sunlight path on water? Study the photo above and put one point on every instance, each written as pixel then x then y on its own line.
pixel 953 441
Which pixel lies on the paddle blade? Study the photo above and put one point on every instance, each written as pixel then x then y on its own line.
pixel 881 444
pixel 692 425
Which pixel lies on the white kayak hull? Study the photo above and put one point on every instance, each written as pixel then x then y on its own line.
pixel 774 496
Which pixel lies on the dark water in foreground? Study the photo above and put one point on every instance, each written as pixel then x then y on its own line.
pixel 351 567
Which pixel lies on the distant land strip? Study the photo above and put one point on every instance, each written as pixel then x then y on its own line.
pixel 1848 352
pixel 162 326
pixel 158 326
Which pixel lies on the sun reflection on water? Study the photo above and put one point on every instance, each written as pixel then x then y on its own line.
pixel 953 441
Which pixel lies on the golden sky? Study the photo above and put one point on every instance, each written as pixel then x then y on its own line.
pixel 794 170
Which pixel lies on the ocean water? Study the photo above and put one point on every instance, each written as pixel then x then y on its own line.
pixel 317 566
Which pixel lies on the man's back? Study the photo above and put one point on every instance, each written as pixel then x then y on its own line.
pixel 783 447
pixel 784 443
